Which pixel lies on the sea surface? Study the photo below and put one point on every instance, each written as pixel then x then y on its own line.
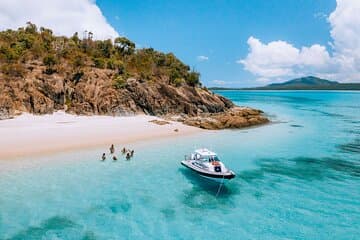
pixel 297 178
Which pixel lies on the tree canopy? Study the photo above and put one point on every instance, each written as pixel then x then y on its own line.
pixel 30 43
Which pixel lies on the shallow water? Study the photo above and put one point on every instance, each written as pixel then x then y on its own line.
pixel 298 178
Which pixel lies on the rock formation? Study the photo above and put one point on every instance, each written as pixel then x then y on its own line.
pixel 41 73
pixel 93 93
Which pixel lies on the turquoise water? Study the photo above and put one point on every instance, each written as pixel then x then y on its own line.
pixel 298 178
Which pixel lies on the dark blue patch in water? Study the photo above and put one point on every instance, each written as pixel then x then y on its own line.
pixel 169 213
pixel 89 235
pixel 304 168
pixel 353 147
pixel 120 206
pixel 296 126
pixel 208 194
pixel 57 223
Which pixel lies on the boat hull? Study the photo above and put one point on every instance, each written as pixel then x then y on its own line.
pixel 213 176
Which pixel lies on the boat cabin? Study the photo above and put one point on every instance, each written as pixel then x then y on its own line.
pixel 204 155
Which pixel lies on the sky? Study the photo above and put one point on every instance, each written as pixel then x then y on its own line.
pixel 232 43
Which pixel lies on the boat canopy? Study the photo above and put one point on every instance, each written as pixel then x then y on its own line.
pixel 205 153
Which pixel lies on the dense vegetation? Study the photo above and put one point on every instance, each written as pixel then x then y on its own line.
pixel 30 44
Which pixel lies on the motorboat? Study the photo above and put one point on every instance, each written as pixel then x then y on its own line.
pixel 207 164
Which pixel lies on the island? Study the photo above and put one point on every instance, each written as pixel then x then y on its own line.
pixel 42 73
pixel 303 83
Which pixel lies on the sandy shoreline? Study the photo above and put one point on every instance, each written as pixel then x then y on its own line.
pixel 34 135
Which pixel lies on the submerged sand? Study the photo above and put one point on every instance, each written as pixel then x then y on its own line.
pixel 32 134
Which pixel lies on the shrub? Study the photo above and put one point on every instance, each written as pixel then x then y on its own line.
pixel 99 63
pixel 178 82
pixel 119 82
pixel 8 54
pixel 49 60
pixel 116 65
pixel 193 79
pixel 13 70
pixel 78 61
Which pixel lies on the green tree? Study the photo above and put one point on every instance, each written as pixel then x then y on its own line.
pixel 193 79
pixel 31 28
pixel 124 46
pixel 49 61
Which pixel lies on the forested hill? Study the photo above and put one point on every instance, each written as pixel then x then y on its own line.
pixel 304 83
pixel 41 73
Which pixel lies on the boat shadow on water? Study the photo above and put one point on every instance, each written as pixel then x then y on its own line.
pixel 214 189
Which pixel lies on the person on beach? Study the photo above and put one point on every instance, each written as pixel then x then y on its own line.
pixel 103 157
pixel 112 149
pixel 123 151
pixel 114 158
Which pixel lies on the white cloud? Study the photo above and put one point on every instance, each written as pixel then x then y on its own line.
pixel 219 82
pixel 279 60
pixel 345 30
pixel 64 17
pixel 202 58
pixel 320 15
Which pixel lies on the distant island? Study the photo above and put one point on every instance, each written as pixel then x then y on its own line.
pixel 41 73
pixel 304 83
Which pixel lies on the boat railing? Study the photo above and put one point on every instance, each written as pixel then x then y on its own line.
pixel 187 157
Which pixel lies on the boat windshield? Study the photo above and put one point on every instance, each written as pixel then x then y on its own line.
pixel 211 158
pixel 200 157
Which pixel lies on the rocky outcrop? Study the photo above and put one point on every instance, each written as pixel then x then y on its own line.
pixel 235 117
pixel 92 92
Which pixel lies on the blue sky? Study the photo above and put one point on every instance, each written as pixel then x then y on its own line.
pixel 233 43
pixel 219 30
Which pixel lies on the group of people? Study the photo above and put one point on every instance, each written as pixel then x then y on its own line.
pixel 127 152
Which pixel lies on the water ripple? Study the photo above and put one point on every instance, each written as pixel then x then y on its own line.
pixel 303 168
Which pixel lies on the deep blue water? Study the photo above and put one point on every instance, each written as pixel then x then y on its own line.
pixel 298 178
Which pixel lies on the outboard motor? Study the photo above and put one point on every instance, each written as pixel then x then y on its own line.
pixel 217 168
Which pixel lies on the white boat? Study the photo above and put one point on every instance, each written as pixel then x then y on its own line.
pixel 207 164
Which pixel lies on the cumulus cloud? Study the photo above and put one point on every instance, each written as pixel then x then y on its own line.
pixel 345 30
pixel 278 60
pixel 202 58
pixel 64 17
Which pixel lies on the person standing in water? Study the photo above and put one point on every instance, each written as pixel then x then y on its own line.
pixel 123 151
pixel 112 149
pixel 128 156
pixel 114 158
pixel 103 157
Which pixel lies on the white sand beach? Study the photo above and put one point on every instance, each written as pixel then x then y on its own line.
pixel 32 134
